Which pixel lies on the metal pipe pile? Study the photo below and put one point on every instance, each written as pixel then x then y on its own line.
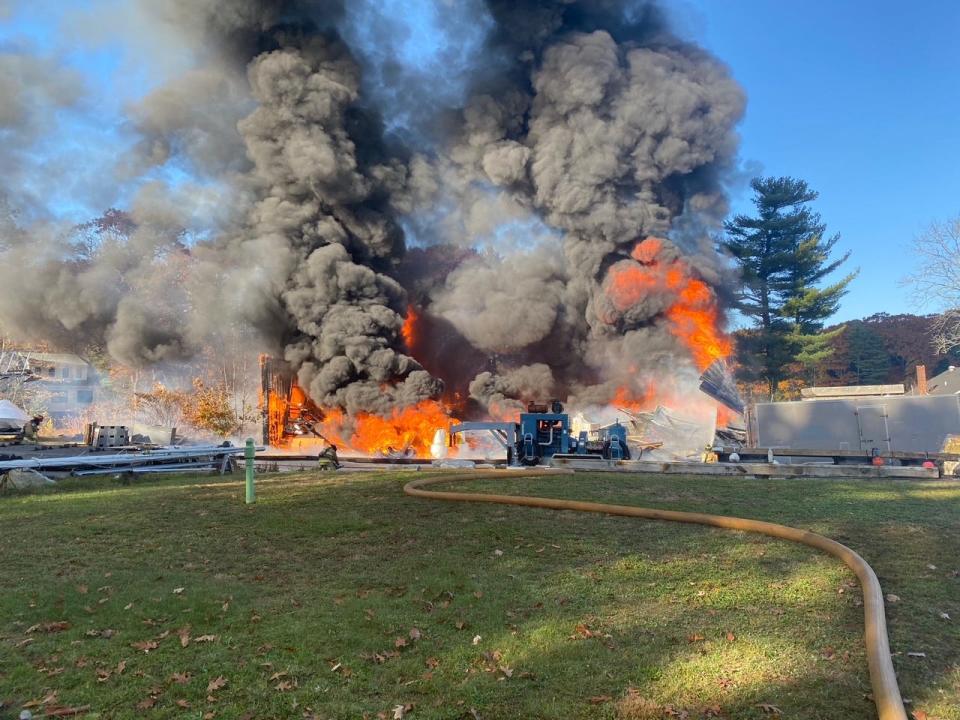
pixel 167 459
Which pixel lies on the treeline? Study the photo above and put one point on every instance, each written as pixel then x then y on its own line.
pixel 790 288
pixel 878 349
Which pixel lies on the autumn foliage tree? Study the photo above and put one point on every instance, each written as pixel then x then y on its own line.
pixel 207 408
pixel 211 409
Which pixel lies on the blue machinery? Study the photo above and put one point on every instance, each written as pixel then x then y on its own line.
pixel 543 433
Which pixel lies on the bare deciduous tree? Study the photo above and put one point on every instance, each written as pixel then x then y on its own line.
pixel 936 281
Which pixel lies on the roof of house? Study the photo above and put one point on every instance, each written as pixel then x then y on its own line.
pixel 59 358
pixel 851 391
pixel 946 383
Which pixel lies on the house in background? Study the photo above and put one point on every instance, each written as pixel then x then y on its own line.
pixel 70 382
pixel 946 383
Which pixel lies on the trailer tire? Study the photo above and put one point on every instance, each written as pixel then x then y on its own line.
pixel 530 461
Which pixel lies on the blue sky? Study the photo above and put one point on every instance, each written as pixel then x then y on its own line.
pixel 861 99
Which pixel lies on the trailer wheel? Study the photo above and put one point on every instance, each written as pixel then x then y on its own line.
pixel 531 461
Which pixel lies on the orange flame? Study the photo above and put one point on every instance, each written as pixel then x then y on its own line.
pixel 693 314
pixel 694 321
pixel 409 330
pixel 646 251
pixel 410 429
pixel 725 416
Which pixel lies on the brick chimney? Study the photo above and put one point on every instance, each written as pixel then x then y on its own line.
pixel 921 379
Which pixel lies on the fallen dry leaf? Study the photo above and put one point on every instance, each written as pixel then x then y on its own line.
pixel 695 638
pixel 415 634
pixel 185 704
pixel 600 699
pixel 146 703
pixel 459 624
pixel 731 637
pixel 178 591
pixel 770 709
pixel 477 639
pixel 82 589
pixel 581 630
pixel 145 645
pixel 50 627
pixel 64 711
pixel 121 666
pixel 919 715
pixel 285 685
pixel 216 683
pixel 205 638
pixel 180 678
pixel 891 598
pixel 52 697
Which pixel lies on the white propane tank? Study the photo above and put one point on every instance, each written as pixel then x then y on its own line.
pixel 439 449
pixel 734 457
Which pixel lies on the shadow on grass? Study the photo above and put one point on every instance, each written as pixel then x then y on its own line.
pixel 333 570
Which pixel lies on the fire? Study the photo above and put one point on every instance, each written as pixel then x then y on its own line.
pixel 631 399
pixel 410 429
pixel 646 251
pixel 725 416
pixel 409 330
pixel 693 314
pixel 694 320
pixel 627 285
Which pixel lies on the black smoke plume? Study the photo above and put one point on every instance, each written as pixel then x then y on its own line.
pixel 319 161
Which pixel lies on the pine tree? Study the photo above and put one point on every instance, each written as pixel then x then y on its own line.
pixel 783 254
pixel 869 360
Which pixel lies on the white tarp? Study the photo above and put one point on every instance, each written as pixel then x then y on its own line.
pixel 12 417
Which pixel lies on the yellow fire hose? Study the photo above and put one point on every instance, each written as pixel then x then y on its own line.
pixel 885 691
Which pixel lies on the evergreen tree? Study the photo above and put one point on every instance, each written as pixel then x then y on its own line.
pixel 784 254
pixel 813 350
pixel 869 360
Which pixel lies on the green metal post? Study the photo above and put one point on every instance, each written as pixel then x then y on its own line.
pixel 249 453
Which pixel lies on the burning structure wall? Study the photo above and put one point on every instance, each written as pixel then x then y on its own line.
pixel 419 242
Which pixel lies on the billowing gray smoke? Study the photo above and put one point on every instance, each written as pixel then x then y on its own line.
pixel 582 128
pixel 595 120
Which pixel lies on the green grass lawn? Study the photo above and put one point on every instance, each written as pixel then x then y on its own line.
pixel 336 596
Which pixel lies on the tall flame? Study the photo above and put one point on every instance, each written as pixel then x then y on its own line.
pixel 693 314
pixel 409 330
